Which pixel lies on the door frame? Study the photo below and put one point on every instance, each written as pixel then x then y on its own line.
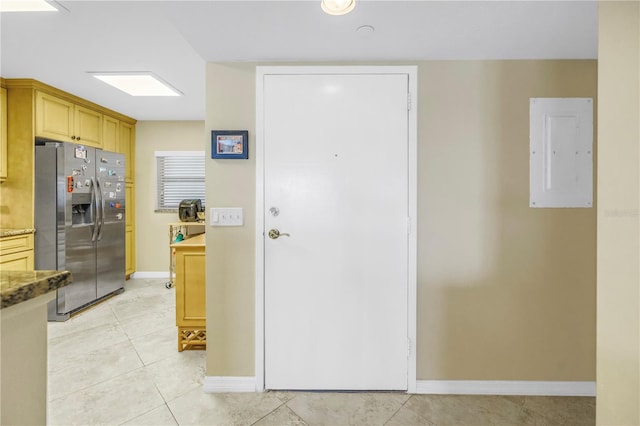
pixel 412 73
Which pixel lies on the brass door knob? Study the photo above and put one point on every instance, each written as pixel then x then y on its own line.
pixel 274 234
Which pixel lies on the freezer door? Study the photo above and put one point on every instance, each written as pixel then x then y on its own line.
pixel 110 171
pixel 46 207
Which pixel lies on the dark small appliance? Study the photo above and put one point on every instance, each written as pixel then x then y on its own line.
pixel 188 210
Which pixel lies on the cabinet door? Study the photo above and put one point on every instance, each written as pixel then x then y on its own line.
pixel 190 287
pixel 130 215
pixel 3 134
pixel 110 133
pixel 129 247
pixel 130 205
pixel 88 127
pixel 20 261
pixel 127 147
pixel 54 118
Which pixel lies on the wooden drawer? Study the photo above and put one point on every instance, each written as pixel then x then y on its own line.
pixel 16 244
pixel 20 261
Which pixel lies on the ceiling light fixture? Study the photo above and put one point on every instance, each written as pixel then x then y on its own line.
pixel 365 30
pixel 337 7
pixel 28 6
pixel 138 83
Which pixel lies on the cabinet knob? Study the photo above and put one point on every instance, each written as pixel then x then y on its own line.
pixel 73 138
pixel 78 138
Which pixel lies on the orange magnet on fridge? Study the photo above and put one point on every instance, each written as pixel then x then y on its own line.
pixel 69 183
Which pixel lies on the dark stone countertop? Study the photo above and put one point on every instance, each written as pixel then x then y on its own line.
pixel 20 286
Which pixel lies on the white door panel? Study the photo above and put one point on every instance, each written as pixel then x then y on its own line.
pixel 335 167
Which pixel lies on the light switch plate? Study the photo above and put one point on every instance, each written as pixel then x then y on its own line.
pixel 226 216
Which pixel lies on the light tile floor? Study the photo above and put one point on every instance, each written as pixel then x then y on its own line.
pixel 118 363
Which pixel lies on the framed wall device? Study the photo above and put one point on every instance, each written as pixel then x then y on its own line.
pixel 230 144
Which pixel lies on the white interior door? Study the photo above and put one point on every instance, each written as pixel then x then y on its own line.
pixel 336 180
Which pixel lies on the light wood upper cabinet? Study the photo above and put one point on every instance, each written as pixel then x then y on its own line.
pixel 60 120
pixel 127 146
pixel 110 134
pixel 54 118
pixel 3 134
pixel 87 126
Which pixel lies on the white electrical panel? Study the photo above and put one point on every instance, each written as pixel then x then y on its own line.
pixel 230 216
pixel 561 152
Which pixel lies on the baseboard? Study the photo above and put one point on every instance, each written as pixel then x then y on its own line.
pixel 217 384
pixel 505 387
pixel 151 274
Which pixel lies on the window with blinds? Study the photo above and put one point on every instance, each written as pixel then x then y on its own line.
pixel 180 176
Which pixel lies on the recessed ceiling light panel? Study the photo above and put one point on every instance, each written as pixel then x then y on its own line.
pixel 137 83
pixel 337 7
pixel 28 6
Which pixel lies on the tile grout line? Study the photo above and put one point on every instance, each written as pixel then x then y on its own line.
pixel 90 386
pixel 294 411
pixel 145 413
pixel 269 413
pixel 398 410
pixel 172 415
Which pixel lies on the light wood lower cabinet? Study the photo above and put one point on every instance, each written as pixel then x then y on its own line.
pixel 129 248
pixel 130 230
pixel 190 293
pixel 16 253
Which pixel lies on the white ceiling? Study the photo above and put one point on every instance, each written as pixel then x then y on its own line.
pixel 175 40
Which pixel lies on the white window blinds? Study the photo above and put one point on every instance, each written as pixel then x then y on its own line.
pixel 180 176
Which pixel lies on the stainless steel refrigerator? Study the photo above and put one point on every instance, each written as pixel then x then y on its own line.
pixel 80 222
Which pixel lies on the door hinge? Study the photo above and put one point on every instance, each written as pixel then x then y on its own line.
pixel 408 225
pixel 408 346
pixel 409 101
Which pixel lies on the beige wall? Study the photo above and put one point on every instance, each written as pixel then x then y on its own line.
pixel 230 105
pixel 505 292
pixel 618 370
pixel 152 231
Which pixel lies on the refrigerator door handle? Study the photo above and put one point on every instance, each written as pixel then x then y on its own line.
pixel 94 203
pixel 101 209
